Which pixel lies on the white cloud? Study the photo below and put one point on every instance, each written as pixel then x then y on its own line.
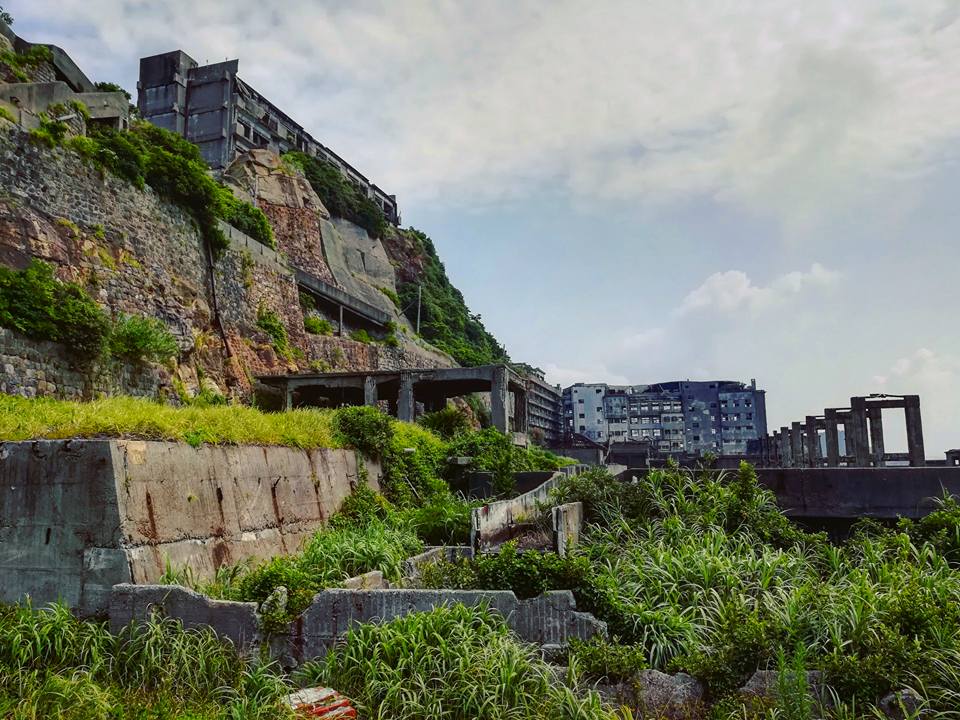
pixel 733 291
pixel 783 109
pixel 592 374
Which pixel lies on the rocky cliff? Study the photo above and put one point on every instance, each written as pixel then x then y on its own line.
pixel 136 253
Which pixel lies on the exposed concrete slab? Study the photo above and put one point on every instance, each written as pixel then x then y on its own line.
pixel 78 516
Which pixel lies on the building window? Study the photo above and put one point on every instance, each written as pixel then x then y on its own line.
pixel 582 415
pixel 580 401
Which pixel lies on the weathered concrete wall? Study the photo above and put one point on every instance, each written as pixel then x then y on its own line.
pixel 886 492
pixel 435 554
pixel 496 522
pixel 77 516
pixel 548 620
pixel 567 522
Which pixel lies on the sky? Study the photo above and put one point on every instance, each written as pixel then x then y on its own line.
pixel 634 192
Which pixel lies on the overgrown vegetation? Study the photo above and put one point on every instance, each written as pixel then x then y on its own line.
pixel 452 663
pixel 34 302
pixel 272 325
pixel 445 320
pixel 20 64
pixel 55 666
pixel 339 195
pixel 30 419
pixel 701 572
pixel 173 167
pixel 317 325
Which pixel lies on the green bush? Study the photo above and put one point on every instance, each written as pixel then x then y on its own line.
pixel 272 325
pixel 340 196
pixel 142 339
pixel 361 336
pixel 35 303
pixel 20 62
pixel 50 132
pixel 600 660
pixel 494 451
pixel 447 423
pixel 365 429
pixel 317 325
pixel 245 217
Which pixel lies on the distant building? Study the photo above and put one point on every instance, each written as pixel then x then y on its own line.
pixel 682 417
pixel 213 108
pixel 544 406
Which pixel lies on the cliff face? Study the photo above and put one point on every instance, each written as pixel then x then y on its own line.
pixel 137 254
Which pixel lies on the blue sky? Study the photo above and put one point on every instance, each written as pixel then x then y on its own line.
pixel 629 191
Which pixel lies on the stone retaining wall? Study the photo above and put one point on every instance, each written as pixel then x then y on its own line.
pixel 549 620
pixel 78 516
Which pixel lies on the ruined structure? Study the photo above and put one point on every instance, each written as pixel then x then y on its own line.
pixel 212 107
pixel 404 390
pixel 816 441
pixel 57 82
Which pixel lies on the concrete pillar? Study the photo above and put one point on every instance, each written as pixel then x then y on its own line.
pixel 288 396
pixel 796 445
pixel 911 411
pixel 775 449
pixel 370 390
pixel 406 405
pixel 856 432
pixel 340 326
pixel 500 399
pixel 814 458
pixel 832 437
pixel 875 418
pixel 520 417
pixel 785 448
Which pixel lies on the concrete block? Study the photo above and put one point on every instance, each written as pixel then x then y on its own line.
pixel 496 521
pixel 567 522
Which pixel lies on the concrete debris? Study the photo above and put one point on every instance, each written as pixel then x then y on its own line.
pixel 321 702
pixel 903 704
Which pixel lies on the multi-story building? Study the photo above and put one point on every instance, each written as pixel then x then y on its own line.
pixel 544 406
pixel 717 416
pixel 220 113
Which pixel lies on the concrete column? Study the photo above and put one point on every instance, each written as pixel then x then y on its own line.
pixel 832 437
pixel 875 418
pixel 288 396
pixel 340 326
pixel 500 399
pixel 520 417
pixel 814 458
pixel 796 445
pixel 785 448
pixel 775 449
pixel 856 432
pixel 370 390
pixel 911 411
pixel 406 405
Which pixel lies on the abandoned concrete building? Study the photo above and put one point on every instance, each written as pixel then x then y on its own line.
pixel 817 441
pixel 56 82
pixel 404 391
pixel 544 404
pixel 225 117
pixel 679 417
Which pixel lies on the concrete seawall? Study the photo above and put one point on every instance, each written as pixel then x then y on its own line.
pixel 78 516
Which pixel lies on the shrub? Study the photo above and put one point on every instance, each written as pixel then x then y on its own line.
pixel 361 336
pixel 317 325
pixel 7 115
pixel 272 325
pixel 140 339
pixel 35 303
pixel 494 451
pixel 600 660
pixel 447 423
pixel 245 217
pixel 392 294
pixel 364 428
pixel 50 132
pixel 20 62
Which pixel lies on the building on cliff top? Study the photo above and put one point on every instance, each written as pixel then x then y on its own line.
pixel 213 108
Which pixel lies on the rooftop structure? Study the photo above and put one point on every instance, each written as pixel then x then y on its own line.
pixel 212 107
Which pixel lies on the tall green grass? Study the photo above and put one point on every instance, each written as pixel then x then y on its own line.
pixel 29 419
pixel 453 663
pixel 55 666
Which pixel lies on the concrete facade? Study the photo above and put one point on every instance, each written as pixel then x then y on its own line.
pixel 78 516
pixel 680 417
pixel 548 620
pixel 212 107
pixel 544 404
pixel 499 521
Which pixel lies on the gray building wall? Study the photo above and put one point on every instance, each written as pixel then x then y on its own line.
pixel 717 416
